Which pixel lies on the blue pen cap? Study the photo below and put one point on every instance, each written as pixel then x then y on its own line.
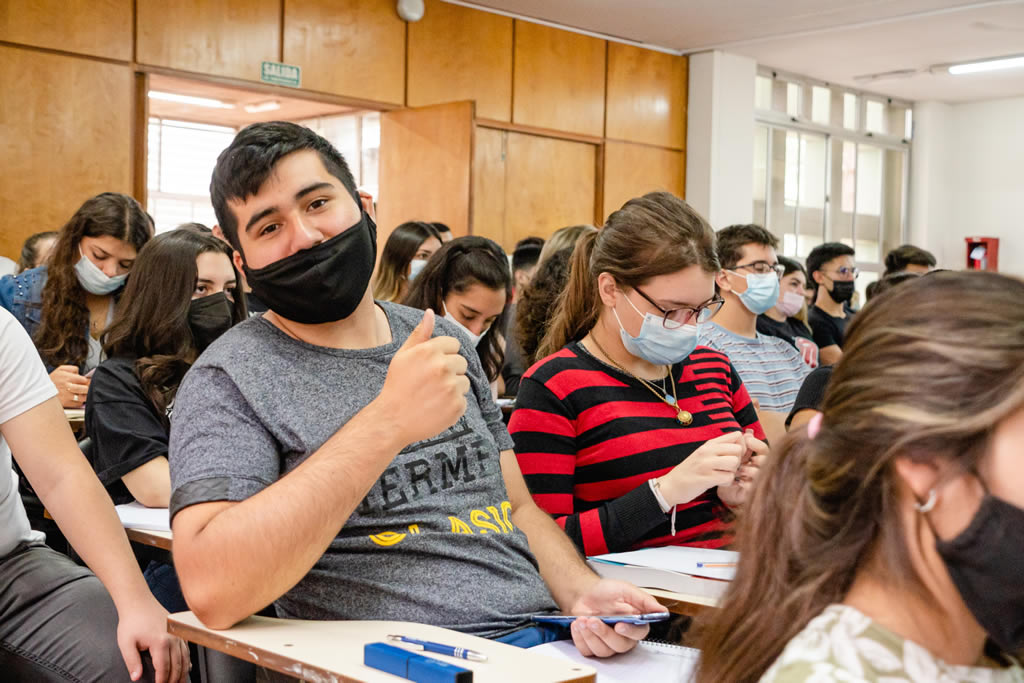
pixel 413 666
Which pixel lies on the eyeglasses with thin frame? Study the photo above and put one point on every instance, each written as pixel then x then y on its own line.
pixel 762 268
pixel 845 273
pixel 687 315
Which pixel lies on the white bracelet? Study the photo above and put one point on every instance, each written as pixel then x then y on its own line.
pixel 662 503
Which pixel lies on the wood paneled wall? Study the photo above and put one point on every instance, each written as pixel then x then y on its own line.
pixel 457 53
pixel 223 38
pixel 65 137
pixel 354 48
pixel 101 28
pixel 562 121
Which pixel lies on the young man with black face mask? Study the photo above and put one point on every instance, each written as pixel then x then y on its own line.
pixel 832 268
pixel 341 458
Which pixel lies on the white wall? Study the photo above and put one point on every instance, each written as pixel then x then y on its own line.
pixel 967 179
pixel 720 137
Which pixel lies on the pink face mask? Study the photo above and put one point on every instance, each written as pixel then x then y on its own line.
pixel 790 304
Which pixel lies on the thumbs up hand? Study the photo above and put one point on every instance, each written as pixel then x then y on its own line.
pixel 426 386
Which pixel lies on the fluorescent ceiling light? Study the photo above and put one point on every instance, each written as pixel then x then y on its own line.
pixel 189 99
pixel 987 65
pixel 269 105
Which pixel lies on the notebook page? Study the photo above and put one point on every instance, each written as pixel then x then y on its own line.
pixel 648 661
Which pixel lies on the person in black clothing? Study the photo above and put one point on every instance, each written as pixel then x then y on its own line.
pixel 832 268
pixel 183 295
pixel 524 265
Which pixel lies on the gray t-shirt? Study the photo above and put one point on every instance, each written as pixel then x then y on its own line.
pixel 432 542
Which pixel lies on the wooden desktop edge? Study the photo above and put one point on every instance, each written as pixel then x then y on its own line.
pixel 264 658
pixel 223 642
pixel 157 539
pixel 679 603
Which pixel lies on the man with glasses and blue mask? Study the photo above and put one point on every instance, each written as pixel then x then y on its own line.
pixel 831 267
pixel 771 369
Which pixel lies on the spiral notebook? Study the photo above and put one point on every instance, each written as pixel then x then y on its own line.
pixel 648 661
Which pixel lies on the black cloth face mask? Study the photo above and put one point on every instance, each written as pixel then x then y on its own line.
pixel 842 291
pixel 210 317
pixel 986 563
pixel 322 284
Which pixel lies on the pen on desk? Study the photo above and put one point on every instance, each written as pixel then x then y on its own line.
pixel 715 565
pixel 441 649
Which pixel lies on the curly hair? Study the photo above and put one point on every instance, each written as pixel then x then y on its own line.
pixel 537 302
pixel 65 317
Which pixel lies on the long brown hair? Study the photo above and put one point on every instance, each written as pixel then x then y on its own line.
pixel 151 322
pixel 653 235
pixel 391 282
pixel 914 381
pixel 457 266
pixel 65 317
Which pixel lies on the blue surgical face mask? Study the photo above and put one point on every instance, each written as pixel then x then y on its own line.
pixel 415 266
pixel 656 343
pixel 94 280
pixel 762 291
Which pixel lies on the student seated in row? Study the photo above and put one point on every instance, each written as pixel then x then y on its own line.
pixel 885 541
pixel 468 283
pixel 787 319
pixel 771 369
pixel 57 620
pixel 342 458
pixel 832 269
pixel 524 264
pixel 627 432
pixel 407 250
pixel 36 250
pixel 183 295
pixel 909 259
pixel 66 304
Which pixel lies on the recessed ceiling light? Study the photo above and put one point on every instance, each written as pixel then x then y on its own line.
pixel 270 105
pixel 987 65
pixel 189 99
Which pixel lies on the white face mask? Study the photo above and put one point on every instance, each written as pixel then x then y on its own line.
pixel 790 304
pixel 94 280
pixel 474 338
pixel 415 266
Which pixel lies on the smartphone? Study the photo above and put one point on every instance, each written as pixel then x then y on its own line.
pixel 611 619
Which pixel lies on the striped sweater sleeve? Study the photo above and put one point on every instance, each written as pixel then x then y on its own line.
pixel 544 433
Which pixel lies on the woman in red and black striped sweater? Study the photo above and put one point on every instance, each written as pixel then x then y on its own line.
pixel 626 433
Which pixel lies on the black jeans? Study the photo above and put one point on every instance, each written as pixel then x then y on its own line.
pixel 57 621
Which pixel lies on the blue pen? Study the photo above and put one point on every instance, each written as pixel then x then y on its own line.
pixel 450 650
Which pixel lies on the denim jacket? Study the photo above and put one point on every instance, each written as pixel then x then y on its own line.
pixel 22 295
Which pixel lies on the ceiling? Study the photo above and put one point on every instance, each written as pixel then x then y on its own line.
pixel 830 40
pixel 291 109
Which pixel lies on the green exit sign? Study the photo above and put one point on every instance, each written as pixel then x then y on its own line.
pixel 281 74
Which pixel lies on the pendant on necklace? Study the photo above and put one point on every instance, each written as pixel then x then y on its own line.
pixel 684 417
pixel 671 400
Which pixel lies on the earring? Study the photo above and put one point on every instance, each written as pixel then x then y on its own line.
pixel 928 504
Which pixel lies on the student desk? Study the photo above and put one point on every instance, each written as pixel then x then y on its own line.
pixel 333 650
pixel 157 539
pixel 680 603
pixel 75 418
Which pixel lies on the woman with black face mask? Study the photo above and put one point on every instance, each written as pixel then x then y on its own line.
pixel 885 540
pixel 182 295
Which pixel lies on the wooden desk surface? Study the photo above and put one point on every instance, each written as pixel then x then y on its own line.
pixel 679 603
pixel 157 539
pixel 75 416
pixel 333 650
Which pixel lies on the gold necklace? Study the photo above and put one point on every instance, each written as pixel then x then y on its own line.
pixel 672 401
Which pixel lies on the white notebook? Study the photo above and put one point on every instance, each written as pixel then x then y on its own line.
pixel 648 661
pixel 138 516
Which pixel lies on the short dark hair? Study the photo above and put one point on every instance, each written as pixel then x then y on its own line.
pixel 823 253
pixel 732 239
pixel 538 241
pixel 888 282
pixel 899 258
pixel 790 265
pixel 441 227
pixel 30 250
pixel 250 158
pixel 525 256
